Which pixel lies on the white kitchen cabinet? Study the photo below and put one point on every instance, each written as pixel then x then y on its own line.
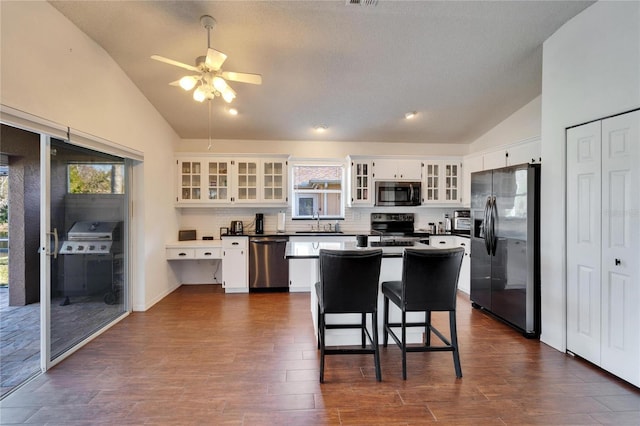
pixel 397 169
pixel 235 264
pixel 260 181
pixel 603 242
pixel 211 180
pixel 526 152
pixel 274 181
pixel 451 241
pixel 246 181
pixel 518 153
pixel 361 183
pixel 442 181
pixel 203 180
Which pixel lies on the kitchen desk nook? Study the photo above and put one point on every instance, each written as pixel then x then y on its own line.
pixel 390 270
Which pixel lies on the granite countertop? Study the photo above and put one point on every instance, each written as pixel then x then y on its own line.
pixel 309 250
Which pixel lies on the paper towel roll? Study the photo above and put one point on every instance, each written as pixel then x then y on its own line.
pixel 281 221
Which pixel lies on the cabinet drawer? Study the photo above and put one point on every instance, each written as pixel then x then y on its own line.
pixel 235 242
pixel 181 253
pixel 208 253
pixel 442 241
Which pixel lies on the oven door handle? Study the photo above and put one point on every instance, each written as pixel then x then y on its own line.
pixel 55 244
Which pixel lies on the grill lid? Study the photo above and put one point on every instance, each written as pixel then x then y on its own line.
pixel 92 231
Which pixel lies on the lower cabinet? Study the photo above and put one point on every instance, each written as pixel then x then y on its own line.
pixel 450 241
pixel 303 272
pixel 235 264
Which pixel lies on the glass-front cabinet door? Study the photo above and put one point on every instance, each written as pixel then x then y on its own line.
pixel 217 181
pixel 451 182
pixel 190 184
pixel 274 181
pixel 431 187
pixel 441 182
pixel 361 183
pixel 247 181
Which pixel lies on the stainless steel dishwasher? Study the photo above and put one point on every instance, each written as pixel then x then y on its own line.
pixel 268 269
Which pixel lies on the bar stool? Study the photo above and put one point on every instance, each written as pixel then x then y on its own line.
pixel 349 284
pixel 429 283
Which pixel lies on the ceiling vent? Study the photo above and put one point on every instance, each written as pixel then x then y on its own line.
pixel 369 3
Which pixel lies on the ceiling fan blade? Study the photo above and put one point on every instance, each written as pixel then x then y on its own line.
pixel 175 63
pixel 215 59
pixel 242 77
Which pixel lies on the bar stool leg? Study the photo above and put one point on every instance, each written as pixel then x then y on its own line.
pixel 454 343
pixel 404 345
pixel 321 342
pixel 385 332
pixel 376 348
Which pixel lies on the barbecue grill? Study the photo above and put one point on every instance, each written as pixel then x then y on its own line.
pixel 93 259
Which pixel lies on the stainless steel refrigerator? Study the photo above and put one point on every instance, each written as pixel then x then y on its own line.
pixel 505 249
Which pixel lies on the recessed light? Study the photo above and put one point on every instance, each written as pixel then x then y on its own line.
pixel 320 128
pixel 410 115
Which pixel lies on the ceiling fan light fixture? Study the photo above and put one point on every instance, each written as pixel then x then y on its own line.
pixel 220 85
pixel 228 94
pixel 188 82
pixel 199 94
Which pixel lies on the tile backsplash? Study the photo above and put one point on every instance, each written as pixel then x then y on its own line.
pixel 208 221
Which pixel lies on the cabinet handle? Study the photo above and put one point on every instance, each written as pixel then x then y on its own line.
pixel 442 242
pixel 617 262
pixel 235 243
pixel 463 244
pixel 182 254
pixel 207 253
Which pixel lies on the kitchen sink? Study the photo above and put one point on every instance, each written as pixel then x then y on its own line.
pixel 319 232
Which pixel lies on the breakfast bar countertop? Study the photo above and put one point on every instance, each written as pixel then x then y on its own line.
pixel 311 250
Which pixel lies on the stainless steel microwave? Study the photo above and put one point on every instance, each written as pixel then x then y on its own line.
pixel 397 193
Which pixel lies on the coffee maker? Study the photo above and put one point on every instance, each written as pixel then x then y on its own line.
pixel 259 223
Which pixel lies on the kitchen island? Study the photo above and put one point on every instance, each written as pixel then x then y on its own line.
pixel 390 270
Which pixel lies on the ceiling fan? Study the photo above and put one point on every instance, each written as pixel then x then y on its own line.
pixel 210 80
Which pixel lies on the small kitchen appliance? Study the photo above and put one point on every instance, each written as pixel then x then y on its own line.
pixel 259 223
pixel 461 223
pixel 398 193
pixel 236 228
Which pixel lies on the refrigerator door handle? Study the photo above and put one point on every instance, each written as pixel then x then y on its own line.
pixel 486 225
pixel 494 217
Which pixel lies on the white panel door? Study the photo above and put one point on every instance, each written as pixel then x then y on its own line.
pixel 621 246
pixel 584 241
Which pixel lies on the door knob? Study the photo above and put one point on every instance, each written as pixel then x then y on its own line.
pixel 617 262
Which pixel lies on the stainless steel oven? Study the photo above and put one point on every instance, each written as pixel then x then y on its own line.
pixel 391 193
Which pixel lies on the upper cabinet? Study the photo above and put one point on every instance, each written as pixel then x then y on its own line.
pixel 441 183
pixel 518 153
pixel 207 180
pixel 527 151
pixel 203 180
pixel 274 180
pixel 361 182
pixel 397 169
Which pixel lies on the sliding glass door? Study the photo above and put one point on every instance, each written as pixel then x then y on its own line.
pixel 86 246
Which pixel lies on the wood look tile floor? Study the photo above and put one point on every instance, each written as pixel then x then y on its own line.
pixel 200 357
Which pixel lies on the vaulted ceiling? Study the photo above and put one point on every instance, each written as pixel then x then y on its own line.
pixel 357 69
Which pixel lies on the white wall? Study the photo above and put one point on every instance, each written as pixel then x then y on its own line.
pixel 53 70
pixel 321 149
pixel 591 69
pixel 521 125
